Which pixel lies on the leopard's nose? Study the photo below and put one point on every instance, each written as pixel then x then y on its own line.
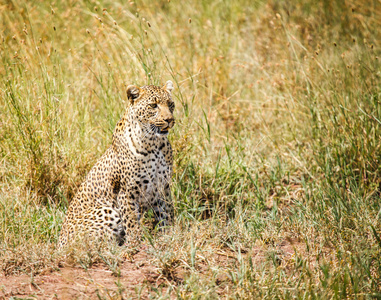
pixel 169 120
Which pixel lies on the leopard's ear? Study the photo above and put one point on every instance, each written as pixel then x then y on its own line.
pixel 168 86
pixel 133 92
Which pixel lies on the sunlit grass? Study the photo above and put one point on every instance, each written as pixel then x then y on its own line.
pixel 277 148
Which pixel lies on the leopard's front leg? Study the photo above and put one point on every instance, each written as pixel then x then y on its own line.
pixel 129 213
pixel 163 207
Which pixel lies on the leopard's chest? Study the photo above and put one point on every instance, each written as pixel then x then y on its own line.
pixel 152 177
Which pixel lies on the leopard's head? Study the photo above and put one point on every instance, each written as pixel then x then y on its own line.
pixel 152 107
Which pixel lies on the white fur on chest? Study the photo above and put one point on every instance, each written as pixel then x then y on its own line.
pixel 150 163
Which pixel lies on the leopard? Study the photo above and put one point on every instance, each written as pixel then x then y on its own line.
pixel 132 177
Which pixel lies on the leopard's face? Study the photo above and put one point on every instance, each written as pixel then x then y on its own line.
pixel 153 107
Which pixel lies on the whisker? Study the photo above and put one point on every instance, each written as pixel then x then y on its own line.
pixel 149 131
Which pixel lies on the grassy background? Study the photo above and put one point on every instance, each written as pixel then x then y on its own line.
pixel 277 141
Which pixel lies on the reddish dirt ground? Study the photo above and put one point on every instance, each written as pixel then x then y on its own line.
pixel 77 283
pixel 98 282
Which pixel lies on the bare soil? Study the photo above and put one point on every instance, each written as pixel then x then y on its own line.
pixel 78 283
pixel 136 279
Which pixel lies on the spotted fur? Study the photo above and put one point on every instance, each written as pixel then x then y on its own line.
pixel 132 176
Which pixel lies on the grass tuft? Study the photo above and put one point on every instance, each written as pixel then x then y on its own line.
pixel 277 151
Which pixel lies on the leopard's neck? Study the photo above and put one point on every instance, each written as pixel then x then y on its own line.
pixel 131 134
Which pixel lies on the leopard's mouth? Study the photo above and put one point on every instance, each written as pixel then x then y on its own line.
pixel 162 131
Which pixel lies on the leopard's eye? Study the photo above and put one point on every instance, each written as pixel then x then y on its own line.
pixel 153 105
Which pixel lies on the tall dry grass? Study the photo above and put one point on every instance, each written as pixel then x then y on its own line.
pixel 276 143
